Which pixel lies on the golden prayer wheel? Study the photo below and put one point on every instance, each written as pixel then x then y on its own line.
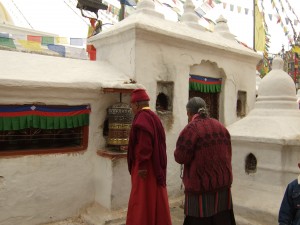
pixel 119 123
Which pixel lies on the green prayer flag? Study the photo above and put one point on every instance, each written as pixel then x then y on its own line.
pixel 47 40
pixel 7 42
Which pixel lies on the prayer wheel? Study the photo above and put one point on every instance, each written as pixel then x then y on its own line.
pixel 119 123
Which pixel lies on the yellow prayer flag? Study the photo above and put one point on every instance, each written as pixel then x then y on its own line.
pixel 296 49
pixel 61 40
pixel 239 9
pixel 31 45
pixel 260 35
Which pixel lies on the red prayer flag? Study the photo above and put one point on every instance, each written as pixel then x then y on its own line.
pixel 34 38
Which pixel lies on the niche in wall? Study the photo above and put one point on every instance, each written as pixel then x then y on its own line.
pixel 241 104
pixel 164 97
pixel 164 102
pixel 250 164
pixel 117 124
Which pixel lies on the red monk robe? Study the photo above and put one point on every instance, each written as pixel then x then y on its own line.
pixel 148 203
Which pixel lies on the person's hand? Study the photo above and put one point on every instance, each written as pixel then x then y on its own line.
pixel 142 174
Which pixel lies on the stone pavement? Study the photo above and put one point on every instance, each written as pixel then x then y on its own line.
pixel 96 215
pixel 177 214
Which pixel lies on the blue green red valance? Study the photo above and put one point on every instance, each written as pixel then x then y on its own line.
pixel 43 117
pixel 205 84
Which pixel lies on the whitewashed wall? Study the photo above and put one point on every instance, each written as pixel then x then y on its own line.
pixel 36 189
pixel 149 54
pixel 49 187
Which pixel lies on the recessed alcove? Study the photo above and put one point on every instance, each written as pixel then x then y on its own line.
pixel 117 123
pixel 164 103
pixel 250 164
pixel 241 104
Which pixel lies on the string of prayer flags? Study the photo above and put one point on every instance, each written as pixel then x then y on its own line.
pixel 74 48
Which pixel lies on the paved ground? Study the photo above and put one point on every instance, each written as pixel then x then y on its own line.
pixel 175 208
pixel 177 215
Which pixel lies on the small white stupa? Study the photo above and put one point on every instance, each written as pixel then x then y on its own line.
pixel 266 148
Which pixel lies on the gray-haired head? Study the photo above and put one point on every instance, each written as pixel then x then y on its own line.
pixel 197 105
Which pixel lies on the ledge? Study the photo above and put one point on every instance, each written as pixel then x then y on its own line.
pixel 117 90
pixel 111 154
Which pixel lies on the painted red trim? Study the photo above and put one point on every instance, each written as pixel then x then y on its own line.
pixel 204 82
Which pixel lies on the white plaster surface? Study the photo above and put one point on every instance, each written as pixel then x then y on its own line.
pixel 47 71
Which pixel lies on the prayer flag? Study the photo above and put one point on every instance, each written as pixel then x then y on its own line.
pixel 239 8
pixel 260 34
pixel 76 41
pixel 287 21
pixel 270 17
pixel 58 48
pixel 34 38
pixel 224 5
pixel 7 42
pixel 200 12
pixel 47 40
pixel 4 35
pixel 130 2
pixel 61 40
pixel 296 49
pixel 30 45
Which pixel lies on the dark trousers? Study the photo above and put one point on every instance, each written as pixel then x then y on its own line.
pixel 222 218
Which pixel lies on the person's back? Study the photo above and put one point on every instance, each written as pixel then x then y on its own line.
pixel 204 148
pixel 211 165
pixel 147 162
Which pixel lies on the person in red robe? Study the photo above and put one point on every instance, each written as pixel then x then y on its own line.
pixel 147 162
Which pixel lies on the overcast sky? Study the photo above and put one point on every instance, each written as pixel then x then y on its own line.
pixel 61 17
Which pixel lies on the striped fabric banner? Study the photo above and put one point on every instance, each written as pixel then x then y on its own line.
pixel 205 84
pixel 43 117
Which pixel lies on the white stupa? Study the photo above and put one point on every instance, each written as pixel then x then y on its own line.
pixel 266 148
pixel 7 25
pixel 5 18
pixel 275 112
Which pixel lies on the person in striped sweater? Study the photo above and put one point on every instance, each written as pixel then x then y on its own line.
pixel 204 149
